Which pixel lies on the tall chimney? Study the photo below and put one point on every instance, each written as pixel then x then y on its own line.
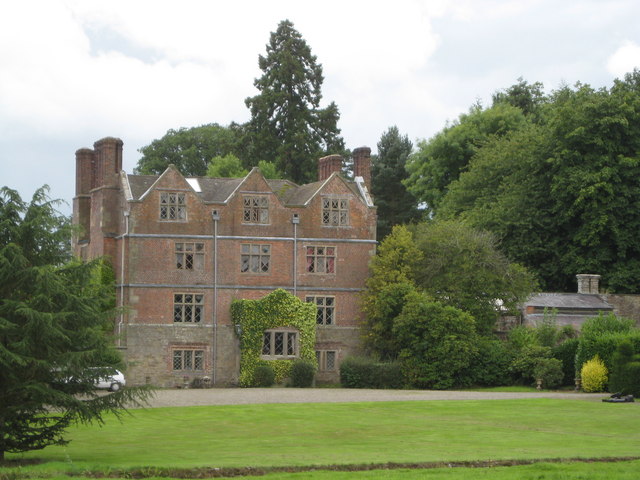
pixel 362 165
pixel 108 161
pixel 588 283
pixel 328 165
pixel 85 159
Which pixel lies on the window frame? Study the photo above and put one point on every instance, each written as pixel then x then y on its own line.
pixel 323 262
pixel 178 203
pixel 325 309
pixel 193 256
pixel 322 357
pixel 288 344
pixel 252 261
pixel 189 355
pixel 335 211
pixel 255 209
pixel 196 306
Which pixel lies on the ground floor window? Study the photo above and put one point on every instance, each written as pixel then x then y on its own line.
pixel 280 343
pixel 191 360
pixel 327 360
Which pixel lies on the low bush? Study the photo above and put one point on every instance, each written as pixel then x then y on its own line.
pixel 594 375
pixel 358 372
pixel 263 376
pixel 302 373
pixel 549 372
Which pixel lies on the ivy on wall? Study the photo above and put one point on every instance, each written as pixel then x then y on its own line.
pixel 278 309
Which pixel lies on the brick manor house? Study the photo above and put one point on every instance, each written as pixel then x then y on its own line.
pixel 183 248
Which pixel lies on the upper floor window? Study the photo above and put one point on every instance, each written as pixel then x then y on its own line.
pixel 280 343
pixel 189 256
pixel 321 259
pixel 255 209
pixel 324 309
pixel 255 258
pixel 188 307
pixel 335 211
pixel 172 206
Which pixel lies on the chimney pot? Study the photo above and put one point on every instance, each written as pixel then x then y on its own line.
pixel 588 283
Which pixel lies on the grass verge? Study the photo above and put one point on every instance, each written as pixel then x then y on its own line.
pixel 308 435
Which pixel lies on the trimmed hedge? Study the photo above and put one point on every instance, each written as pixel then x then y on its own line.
pixel 604 346
pixel 263 376
pixel 357 372
pixel 566 353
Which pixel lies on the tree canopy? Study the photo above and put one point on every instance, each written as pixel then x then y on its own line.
pixel 55 316
pixel 287 124
pixel 191 149
pixel 562 193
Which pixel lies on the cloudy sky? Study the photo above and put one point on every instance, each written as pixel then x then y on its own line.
pixel 75 71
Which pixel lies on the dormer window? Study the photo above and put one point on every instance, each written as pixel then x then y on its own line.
pixel 173 207
pixel 255 209
pixel 335 211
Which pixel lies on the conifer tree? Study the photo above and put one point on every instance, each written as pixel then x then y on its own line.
pixel 54 319
pixel 287 124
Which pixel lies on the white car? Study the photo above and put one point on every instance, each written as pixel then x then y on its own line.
pixel 114 383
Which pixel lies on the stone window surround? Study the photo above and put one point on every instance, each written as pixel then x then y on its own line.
pixel 327 360
pixel 173 207
pixel 321 259
pixel 189 255
pixel 255 258
pixel 335 211
pixel 325 308
pixel 255 209
pixel 188 307
pixel 279 343
pixel 187 359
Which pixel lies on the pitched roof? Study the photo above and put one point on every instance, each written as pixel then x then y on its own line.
pixel 218 190
pixel 571 301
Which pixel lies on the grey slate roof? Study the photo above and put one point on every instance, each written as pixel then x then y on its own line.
pixel 217 190
pixel 568 301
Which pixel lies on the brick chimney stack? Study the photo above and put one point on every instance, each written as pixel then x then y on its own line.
pixel 85 160
pixel 588 283
pixel 362 165
pixel 108 161
pixel 328 165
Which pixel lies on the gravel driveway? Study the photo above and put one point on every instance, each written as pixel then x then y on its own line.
pixel 240 396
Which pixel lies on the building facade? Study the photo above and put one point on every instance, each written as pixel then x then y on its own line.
pixel 183 249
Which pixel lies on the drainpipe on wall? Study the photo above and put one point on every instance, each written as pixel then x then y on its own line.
pixel 122 238
pixel 295 220
pixel 216 217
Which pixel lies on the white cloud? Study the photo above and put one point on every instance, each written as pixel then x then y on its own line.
pixel 625 59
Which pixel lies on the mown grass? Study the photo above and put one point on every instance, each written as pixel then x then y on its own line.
pixel 347 433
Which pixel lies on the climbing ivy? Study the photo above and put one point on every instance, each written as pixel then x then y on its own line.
pixel 278 309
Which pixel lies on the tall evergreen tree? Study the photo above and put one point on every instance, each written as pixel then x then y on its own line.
pixel 53 322
pixel 287 124
pixel 395 204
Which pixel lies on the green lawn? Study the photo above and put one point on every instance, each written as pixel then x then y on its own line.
pixel 350 433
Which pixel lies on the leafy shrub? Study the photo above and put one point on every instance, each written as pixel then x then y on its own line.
pixel 523 365
pixel 489 366
pixel 521 337
pixel 566 353
pixel 594 375
pixel 625 373
pixel 263 376
pixel 437 342
pixel 302 373
pixel 358 372
pixel 549 372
